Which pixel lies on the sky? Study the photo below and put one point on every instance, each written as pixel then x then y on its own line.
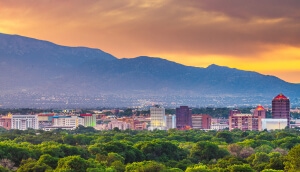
pixel 253 35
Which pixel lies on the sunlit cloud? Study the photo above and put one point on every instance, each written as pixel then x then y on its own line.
pixel 260 36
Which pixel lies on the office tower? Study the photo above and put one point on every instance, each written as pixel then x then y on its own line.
pixel 183 118
pixel 158 120
pixel 281 108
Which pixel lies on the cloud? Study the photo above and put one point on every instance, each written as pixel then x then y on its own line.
pixel 203 27
pixel 196 31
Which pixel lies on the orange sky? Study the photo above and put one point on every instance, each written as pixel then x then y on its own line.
pixel 262 36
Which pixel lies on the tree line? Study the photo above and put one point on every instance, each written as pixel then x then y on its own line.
pixel 85 149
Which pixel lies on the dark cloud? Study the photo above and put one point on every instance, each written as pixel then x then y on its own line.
pixel 133 27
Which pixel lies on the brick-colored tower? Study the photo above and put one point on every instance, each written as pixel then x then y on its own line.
pixel 281 108
pixel 183 118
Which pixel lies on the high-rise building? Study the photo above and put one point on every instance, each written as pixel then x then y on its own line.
pixel 183 117
pixel 158 120
pixel 281 108
pixel 24 122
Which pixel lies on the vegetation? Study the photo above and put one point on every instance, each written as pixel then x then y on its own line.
pixel 86 149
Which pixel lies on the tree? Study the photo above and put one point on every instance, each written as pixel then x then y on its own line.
pixel 246 152
pixel 72 164
pixel 264 148
pixel 292 162
pixel 241 168
pixel 197 168
pixel 260 161
pixel 6 163
pixel 145 166
pixel 31 165
pixel 49 160
pixel 161 151
pixel 235 149
pixel 205 151
pixel 271 170
pixel 3 169
pixel 226 135
pixel 118 166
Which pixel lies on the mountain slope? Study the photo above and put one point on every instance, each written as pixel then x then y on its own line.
pixel 39 67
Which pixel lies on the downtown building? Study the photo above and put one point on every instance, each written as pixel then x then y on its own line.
pixel 281 108
pixel 65 122
pixel 157 118
pixel 247 121
pixel 24 122
pixel 201 121
pixel 183 118
pixel 89 119
pixel 5 121
pixel 170 121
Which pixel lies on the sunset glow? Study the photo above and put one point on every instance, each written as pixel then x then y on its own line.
pixel 248 35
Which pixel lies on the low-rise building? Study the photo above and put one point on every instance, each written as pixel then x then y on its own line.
pixel 274 124
pixel 219 123
pixel 118 124
pixel 69 121
pixel 89 119
pixel 201 121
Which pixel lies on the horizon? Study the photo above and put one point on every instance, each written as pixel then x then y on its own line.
pixel 263 38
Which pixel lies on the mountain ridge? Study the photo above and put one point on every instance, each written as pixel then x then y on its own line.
pixel 41 68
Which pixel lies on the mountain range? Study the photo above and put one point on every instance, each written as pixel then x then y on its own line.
pixel 34 70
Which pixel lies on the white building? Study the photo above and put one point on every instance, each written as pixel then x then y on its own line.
pixel 89 120
pixel 24 122
pixel 157 118
pixel 273 124
pixel 68 121
pixel 118 124
pixel 170 121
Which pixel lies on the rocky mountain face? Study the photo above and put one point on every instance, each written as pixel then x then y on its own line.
pixel 30 66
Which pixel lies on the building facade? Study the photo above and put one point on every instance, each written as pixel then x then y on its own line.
pixel 24 122
pixel 273 124
pixel 67 121
pixel 157 118
pixel 281 108
pixel 45 119
pixel 247 121
pixel 183 118
pixel 201 121
pixel 219 123
pixel 89 119
pixel 170 121
pixel 121 125
pixel 5 122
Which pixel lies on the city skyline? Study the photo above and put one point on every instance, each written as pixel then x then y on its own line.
pixel 256 36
